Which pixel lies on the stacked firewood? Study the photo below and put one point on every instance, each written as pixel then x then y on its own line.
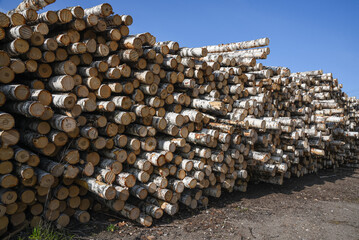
pixel 93 117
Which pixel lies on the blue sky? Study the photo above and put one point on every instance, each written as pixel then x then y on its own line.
pixel 305 35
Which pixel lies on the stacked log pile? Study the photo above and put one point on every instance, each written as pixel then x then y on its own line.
pixel 93 117
pixel 349 152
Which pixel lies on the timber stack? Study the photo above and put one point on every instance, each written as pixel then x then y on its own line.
pixel 93 117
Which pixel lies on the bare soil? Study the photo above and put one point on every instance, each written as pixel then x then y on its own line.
pixel 316 206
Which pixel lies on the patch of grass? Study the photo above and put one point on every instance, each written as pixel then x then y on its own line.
pixel 46 231
pixel 241 209
pixel 112 228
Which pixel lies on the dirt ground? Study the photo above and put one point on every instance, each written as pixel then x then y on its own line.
pixel 317 206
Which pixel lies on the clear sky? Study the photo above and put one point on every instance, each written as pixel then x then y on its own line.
pixel 304 35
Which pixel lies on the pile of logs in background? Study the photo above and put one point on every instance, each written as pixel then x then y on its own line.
pixel 93 117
